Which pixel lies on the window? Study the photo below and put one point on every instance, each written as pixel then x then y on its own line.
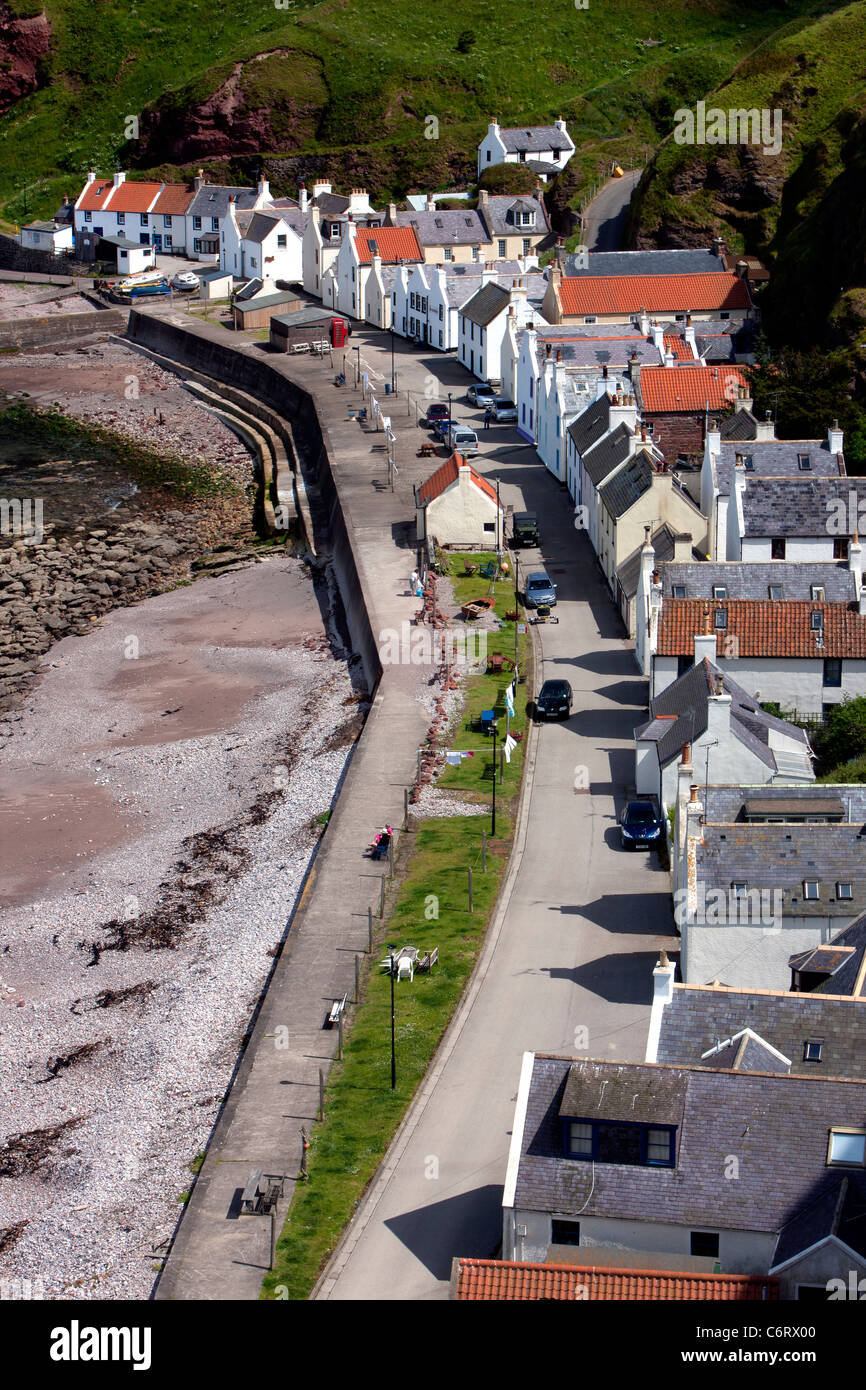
pixel 98 231
pixel 775 591
pixel 704 1243
pixel 440 337
pixel 749 463
pixel 449 255
pixel 143 218
pixel 214 224
pixel 840 548
pixel 777 548
pixel 816 620
pixel 424 305
pixel 685 662
pixel 412 299
pixel 720 591
pixel 281 241
pixel 121 219
pixel 812 1049
pixel 725 314
pixel 843 891
pixel 564 1232
pixel 817 593
pixel 196 224
pixel 476 252
pixel 441 317
pixel 167 243
pixel 833 671
pixel 580 1139
pixel 847 1147
pixel 590 318
pixel 678 591
pixel 811 890
pixel 526 246
pixel 804 463
pixel 253 261
pixel 658 1147
pixel 739 890
pixel 488 156
pixel 166 221
pixel 501 250
pixel 490 526
pixel 88 217
pixel 721 619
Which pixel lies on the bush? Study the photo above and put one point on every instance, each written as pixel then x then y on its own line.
pixel 507 178
pixel 842 736
pixel 465 41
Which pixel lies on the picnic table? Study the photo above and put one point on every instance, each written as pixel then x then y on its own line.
pixel 497 661
pixel 426 451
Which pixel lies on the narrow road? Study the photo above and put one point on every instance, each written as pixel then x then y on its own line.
pixel 607 213
pixel 567 967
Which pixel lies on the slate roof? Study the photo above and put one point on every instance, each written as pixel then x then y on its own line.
pixel 729 803
pixel 700 1017
pixel 446 227
pixel 589 427
pixel 719 1110
pixel 775 458
pixel 628 294
pixel 304 318
pixel 778 858
pixel 679 714
pixel 740 425
pixel 445 476
pixel 391 243
pixel 614 351
pixel 45 227
pixel 608 454
pixel 497 207
pixel 212 199
pixel 261 224
pixel 628 485
pixel 628 572
pixel 800 506
pixel 125 244
pixel 751 579
pixel 837 1211
pixel 502 1280
pixel 850 978
pixel 483 307
pixel 746 1051
pixel 765 627
pixel 688 262
pixel 535 138
pixel 689 387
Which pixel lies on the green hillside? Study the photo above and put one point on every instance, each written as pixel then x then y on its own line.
pixel 347 85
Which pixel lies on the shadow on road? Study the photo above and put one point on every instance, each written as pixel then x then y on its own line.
pixel 639 914
pixel 469 1224
pixel 618 979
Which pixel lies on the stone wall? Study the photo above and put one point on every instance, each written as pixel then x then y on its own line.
pixel 14 256
pixel 54 328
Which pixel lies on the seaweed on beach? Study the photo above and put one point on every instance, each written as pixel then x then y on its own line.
pixel 11 1234
pixel 55 1065
pixel 25 1154
pixel 110 998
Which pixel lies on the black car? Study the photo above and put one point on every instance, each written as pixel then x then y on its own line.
pixel 524 529
pixel 554 700
pixel 641 825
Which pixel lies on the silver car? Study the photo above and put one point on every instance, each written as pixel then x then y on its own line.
pixel 504 410
pixel 539 591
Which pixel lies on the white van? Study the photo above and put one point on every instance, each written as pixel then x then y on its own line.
pixel 463 439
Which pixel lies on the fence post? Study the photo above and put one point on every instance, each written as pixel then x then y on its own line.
pixel 357 978
pixel 484 851
pixel 382 897
pixel 405 808
pixel 469 871
pixel 321 1094
pixel 370 930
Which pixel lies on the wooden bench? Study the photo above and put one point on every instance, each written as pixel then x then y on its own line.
pixel 427 962
pixel 274 1188
pixel 300 347
pixel 250 1197
pixel 338 1008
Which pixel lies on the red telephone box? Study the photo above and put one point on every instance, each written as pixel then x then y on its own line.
pixel 338 332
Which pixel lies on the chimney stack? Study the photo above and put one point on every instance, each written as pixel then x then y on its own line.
pixel 835 438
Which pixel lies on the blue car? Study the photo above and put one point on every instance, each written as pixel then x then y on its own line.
pixel 641 826
pixel 441 428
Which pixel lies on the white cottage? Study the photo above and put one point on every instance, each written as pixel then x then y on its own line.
pixel 458 507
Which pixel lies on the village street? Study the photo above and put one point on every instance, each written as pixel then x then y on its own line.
pixel 567 966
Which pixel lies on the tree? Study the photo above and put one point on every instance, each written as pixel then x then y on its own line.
pixel 842 736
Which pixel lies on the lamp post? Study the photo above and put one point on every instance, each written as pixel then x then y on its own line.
pixel 498 550
pixel 393 1051
pixel 493 812
pixel 516 614
pixel 393 378
pixel 357 365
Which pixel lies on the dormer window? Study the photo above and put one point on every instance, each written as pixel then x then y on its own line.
pixel 804 463
pixel 720 591
pixel 775 591
pixel 816 620
pixel 812 1049
pixel 739 890
pixel 721 619
pixel 617 1141
pixel 678 591
pixel 749 463
pixel 811 890
pixel 844 892
pixel 817 593
pixel 847 1147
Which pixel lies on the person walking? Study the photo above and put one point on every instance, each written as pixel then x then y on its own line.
pixel 488 416
pixel 413 581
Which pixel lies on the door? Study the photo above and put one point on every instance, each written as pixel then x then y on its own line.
pixel 157 241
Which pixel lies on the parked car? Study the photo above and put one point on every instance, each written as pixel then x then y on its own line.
pixel 441 428
pixel 463 439
pixel 539 592
pixel 641 825
pixel 184 280
pixel 524 529
pixel 481 394
pixel 554 700
pixel 437 411
pixel 504 410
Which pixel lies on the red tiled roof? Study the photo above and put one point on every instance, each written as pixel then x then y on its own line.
pixel 689 388
pixel 478 1280
pixel 763 627
pixel 393 244
pixel 175 198
pixel 680 349
pixel 96 196
pixel 628 294
pixel 134 197
pixel 447 474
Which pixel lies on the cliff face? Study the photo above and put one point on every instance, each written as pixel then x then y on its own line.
pixel 24 45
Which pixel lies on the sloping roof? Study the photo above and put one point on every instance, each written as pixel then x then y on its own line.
pixel 689 387
pixel 740 425
pixel 96 195
pixel 486 1280
pixel 627 486
pixel 265 301
pixel 699 1017
pixel 134 197
pixel 751 579
pixel 839 1211
pixel 677 345
pixel 628 294
pixel 608 454
pixel 535 138
pixel 391 243
pixel 628 573
pixel 447 475
pixel 446 227
pixel 685 262
pixel 212 199
pixel 719 1112
pixel 495 212
pixel 765 627
pixel 778 859
pixel 485 304
pixel 801 506
pixel 174 200
pixel 735 803
pixel 850 977
pixel 125 244
pixel 591 424
pixel 774 458
pixel 261 224
pixel 607 348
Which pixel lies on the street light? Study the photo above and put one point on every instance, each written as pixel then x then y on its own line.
pixel 393 1051
pixel 357 365
pixel 498 549
pixel 393 378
